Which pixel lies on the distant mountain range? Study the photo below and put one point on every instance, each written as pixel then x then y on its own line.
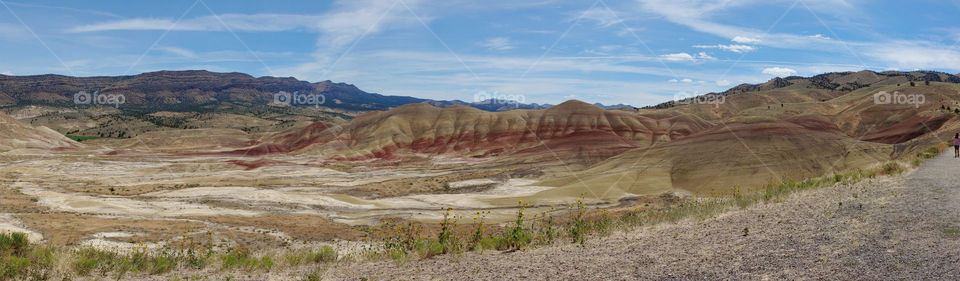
pixel 124 106
pixel 199 90
pixel 836 81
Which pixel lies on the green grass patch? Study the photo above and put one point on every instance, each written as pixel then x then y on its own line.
pixel 951 232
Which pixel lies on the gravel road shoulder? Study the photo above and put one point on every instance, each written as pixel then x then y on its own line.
pixel 879 229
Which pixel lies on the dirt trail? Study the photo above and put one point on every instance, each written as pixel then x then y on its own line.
pixel 904 228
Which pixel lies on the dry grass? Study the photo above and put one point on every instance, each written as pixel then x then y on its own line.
pixel 12 201
pixel 301 227
pixel 68 229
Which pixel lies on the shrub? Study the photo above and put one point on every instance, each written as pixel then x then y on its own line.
pixel 239 258
pixel 478 234
pixel 15 244
pixel 326 254
pixel 891 168
pixel 544 229
pixel 14 266
pixel 85 265
pixel 578 225
pixel 448 242
pixel 428 249
pixel 161 265
pixel 516 237
pixel 602 223
pixel 195 259
pixel 312 276
pixel 266 263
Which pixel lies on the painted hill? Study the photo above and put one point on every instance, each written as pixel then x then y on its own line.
pixel 750 139
pixel 16 135
pixel 571 129
pixel 779 134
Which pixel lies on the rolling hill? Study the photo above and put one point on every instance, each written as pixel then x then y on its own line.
pixel 779 133
pixel 16 135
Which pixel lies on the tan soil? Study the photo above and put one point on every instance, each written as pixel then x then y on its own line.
pixel 68 229
pixel 301 227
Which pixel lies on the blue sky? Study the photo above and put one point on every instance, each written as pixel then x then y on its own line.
pixel 547 51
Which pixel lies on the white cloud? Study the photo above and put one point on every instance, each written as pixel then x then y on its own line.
pixel 177 51
pixel 705 56
pixel 438 75
pixel 736 48
pixel 912 55
pixel 354 19
pixel 603 50
pixel 236 22
pixel 498 44
pixel 343 25
pixel 673 80
pixel 698 16
pixel 779 71
pixel 601 16
pixel 350 22
pixel 745 40
pixel 723 82
pixel 686 80
pixel 678 57
pixel 702 16
pixel 8 73
pixel 69 9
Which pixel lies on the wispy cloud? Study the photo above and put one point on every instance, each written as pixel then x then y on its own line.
pixel 698 15
pixel 13 32
pixel 177 51
pixel 69 9
pixel 701 16
pixel 745 40
pixel 736 48
pixel 916 55
pixel 679 57
pixel 601 16
pixel 236 22
pixel 705 56
pixel 497 44
pixel 353 19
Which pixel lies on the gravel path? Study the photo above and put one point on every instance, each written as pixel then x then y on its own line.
pixel 902 228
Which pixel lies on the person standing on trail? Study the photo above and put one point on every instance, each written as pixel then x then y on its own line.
pixel 956 145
